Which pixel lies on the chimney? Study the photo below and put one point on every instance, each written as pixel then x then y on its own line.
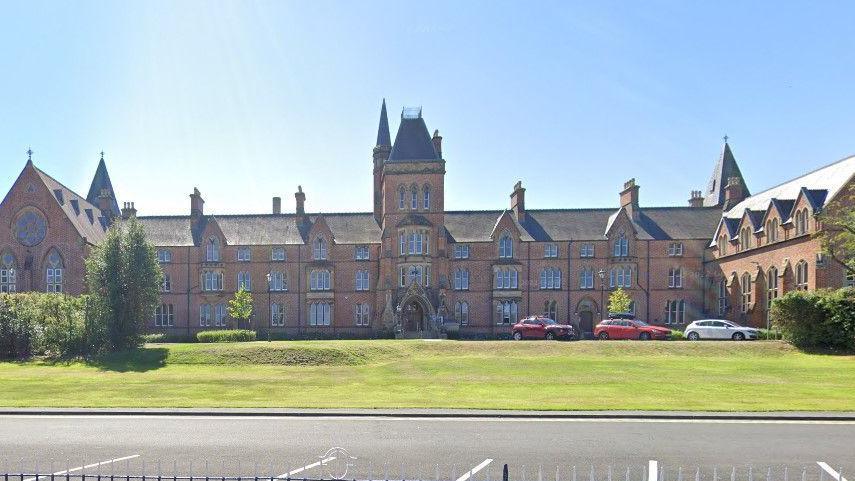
pixel 104 199
pixel 518 201
pixel 696 199
pixel 197 204
pixel 300 197
pixel 128 210
pixel 733 192
pixel 277 205
pixel 437 143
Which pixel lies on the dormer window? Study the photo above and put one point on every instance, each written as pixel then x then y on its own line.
pixel 772 231
pixel 506 247
pixel 745 239
pixel 319 249
pixel 621 247
pixel 212 251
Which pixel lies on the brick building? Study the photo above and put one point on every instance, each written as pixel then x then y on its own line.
pixel 412 265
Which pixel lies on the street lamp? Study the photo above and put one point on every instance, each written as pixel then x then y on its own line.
pixel 602 274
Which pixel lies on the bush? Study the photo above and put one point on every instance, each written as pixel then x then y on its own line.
pixel 817 320
pixel 154 338
pixel 52 325
pixel 235 335
pixel 677 335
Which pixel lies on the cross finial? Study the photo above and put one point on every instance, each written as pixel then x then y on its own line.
pixel 29 154
pixel 725 138
pixel 102 155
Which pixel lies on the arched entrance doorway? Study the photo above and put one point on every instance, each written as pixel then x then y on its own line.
pixel 413 316
pixel 586 324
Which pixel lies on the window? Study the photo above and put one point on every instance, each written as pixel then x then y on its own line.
pixel 461 251
pixel 722 246
pixel 415 273
pixel 278 282
pixel 586 279
pixel 164 315
pixel 164 256
pixel 244 281
pixel 550 309
pixel 166 285
pixel 675 278
pixel 53 272
pixel 319 280
pixel 243 254
pixel 414 198
pixel 620 277
pixel 507 312
pixel 212 250
pixel 675 249
pixel 550 250
pixel 550 278
pixel 507 278
pixel 586 250
pixel 506 247
pixel 771 288
pixel 8 274
pixel 212 281
pixel 802 276
pixel 277 254
pixel 220 315
pixel 361 315
pixel 461 312
pixel 401 198
pixel 319 249
pixel 361 253
pixel 675 312
pixel 745 239
pixel 414 243
pixel 621 247
pixel 850 279
pixel 746 292
pixel 277 315
pixel 722 297
pixel 362 280
pixel 772 231
pixel 319 314
pixel 426 198
pixel 801 222
pixel 461 279
pixel 205 315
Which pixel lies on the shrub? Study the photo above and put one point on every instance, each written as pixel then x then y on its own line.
pixel 235 335
pixel 677 335
pixel 154 338
pixel 52 325
pixel 817 320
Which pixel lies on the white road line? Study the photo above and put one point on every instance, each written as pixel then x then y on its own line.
pixel 828 469
pixel 79 468
pixel 652 470
pixel 300 470
pixel 474 470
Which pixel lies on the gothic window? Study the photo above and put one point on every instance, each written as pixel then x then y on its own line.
pixel 772 231
pixel 506 247
pixel 801 222
pixel 319 249
pixel 461 312
pixel 621 247
pixel 277 281
pixel 212 250
pixel 54 272
pixel 722 246
pixel 414 243
pixel 550 309
pixel 550 278
pixel 402 196
pixel 319 280
pixel 771 288
pixel 722 297
pixel 746 292
pixel 8 274
pixel 802 276
pixel 745 239
pixel 426 197
pixel 244 281
pixel 414 198
pixel 507 312
pixel 320 314
pixel 212 280
pixel 362 315
pixel 277 315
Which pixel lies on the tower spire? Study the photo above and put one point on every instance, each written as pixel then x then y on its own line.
pixel 383 137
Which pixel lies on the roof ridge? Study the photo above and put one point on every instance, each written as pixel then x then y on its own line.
pixel 838 161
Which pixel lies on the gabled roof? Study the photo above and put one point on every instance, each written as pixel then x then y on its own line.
pixel 101 181
pixel 755 217
pixel 815 197
pixel 725 168
pixel 383 137
pixel 413 142
pixel 782 206
pixel 87 219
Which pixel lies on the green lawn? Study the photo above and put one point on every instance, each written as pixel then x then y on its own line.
pixel 748 376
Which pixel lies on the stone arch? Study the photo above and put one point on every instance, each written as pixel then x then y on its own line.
pixel 408 312
pixel 587 310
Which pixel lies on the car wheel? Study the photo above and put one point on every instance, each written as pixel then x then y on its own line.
pixel 550 336
pixel 738 336
pixel 603 336
pixel 644 336
pixel 693 336
pixel 517 336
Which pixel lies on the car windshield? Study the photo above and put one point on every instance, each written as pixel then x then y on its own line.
pixel 640 323
pixel 549 321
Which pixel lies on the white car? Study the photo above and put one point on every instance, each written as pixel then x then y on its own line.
pixel 719 329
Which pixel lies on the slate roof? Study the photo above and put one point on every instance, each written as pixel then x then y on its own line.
pixel 87 219
pixel 101 180
pixel 413 142
pixel 383 137
pixel 725 168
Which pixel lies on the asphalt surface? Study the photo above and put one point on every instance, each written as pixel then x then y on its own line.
pixel 428 448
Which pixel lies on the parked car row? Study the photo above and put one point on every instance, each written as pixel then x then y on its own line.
pixel 540 327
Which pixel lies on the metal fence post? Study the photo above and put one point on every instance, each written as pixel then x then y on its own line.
pixel 505 473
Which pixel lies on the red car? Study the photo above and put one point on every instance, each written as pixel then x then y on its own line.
pixel 630 329
pixel 539 327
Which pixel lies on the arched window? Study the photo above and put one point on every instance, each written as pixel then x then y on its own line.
pixel 802 276
pixel 277 281
pixel 745 239
pixel 550 278
pixel 53 271
pixel 212 280
pixel 212 251
pixel 802 222
pixel 722 245
pixel 621 247
pixel 320 314
pixel 8 273
pixel 461 279
pixel 426 197
pixel 402 197
pixel 550 309
pixel 414 197
pixel 722 297
pixel 277 315
pixel 772 231
pixel 506 247
pixel 507 312
pixel 319 280
pixel 319 249
pixel 461 312
pixel 746 292
pixel 771 288
pixel 244 281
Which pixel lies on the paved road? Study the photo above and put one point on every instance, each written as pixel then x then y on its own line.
pixel 276 445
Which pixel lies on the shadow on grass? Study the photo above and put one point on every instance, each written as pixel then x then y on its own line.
pixel 134 360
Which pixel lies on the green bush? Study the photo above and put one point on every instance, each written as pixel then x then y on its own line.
pixel 677 335
pixel 157 337
pixel 51 325
pixel 817 320
pixel 235 335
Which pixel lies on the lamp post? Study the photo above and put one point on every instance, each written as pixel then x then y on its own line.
pixel 269 311
pixel 602 274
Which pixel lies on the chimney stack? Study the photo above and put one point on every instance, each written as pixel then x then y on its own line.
pixel 696 199
pixel 437 143
pixel 300 197
pixel 733 192
pixel 277 205
pixel 197 204
pixel 128 210
pixel 518 201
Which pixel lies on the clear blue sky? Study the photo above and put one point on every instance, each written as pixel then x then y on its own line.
pixel 248 99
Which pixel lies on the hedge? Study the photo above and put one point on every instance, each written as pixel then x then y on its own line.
pixel 235 335
pixel 822 319
pixel 51 325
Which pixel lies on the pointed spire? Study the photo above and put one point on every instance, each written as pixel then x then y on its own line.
pixel 383 137
pixel 725 168
pixel 101 185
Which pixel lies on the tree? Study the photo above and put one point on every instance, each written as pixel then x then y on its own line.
pixel 619 301
pixel 124 279
pixel 240 306
pixel 838 232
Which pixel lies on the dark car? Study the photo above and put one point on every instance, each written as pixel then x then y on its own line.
pixel 539 327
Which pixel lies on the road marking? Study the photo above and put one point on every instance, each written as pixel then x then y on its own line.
pixel 87 466
pixel 652 470
pixel 308 466
pixel 828 469
pixel 474 470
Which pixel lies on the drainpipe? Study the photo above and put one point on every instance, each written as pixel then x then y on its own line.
pixel 188 293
